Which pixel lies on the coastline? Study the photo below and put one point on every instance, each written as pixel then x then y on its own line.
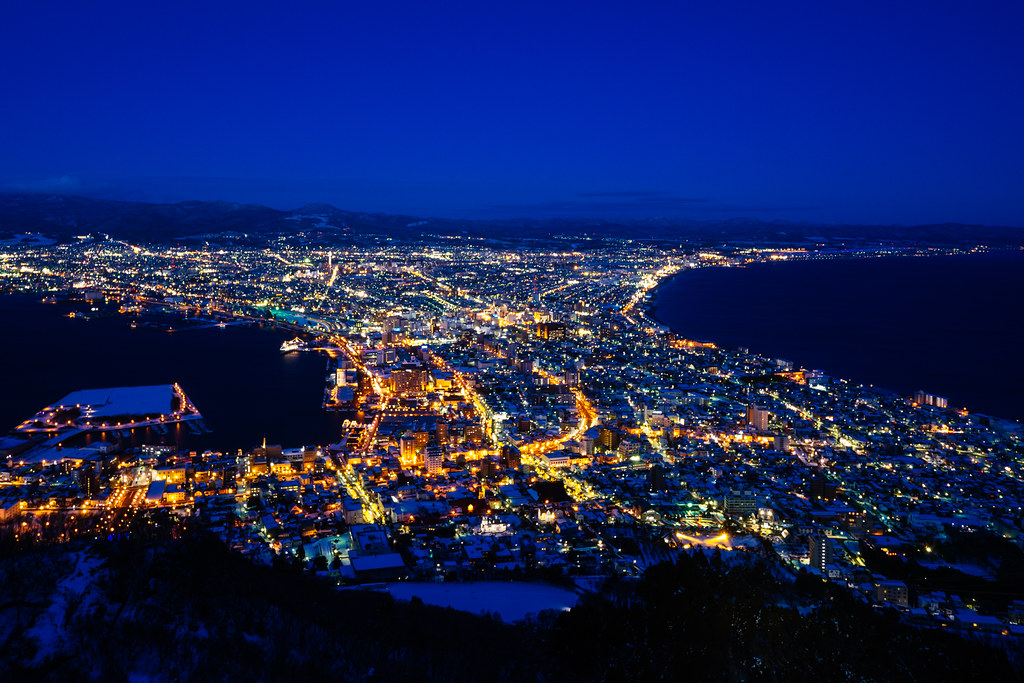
pixel 973 375
pixel 651 310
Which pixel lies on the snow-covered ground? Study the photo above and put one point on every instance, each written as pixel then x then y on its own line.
pixel 73 593
pixel 29 239
pixel 969 569
pixel 512 600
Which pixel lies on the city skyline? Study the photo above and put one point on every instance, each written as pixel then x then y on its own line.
pixel 510 428
pixel 549 341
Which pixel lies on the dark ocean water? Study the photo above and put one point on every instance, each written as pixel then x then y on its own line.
pixel 950 325
pixel 236 376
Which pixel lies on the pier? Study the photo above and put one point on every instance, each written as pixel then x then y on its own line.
pixel 115 412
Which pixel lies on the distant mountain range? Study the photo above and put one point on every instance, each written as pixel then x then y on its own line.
pixel 62 216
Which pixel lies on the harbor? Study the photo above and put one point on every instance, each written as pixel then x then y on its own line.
pixel 92 422
pixel 244 386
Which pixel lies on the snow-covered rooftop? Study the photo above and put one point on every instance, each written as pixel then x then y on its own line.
pixel 149 400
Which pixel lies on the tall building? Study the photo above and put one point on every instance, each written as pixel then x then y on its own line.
pixel 783 364
pixel 421 435
pixel 523 424
pixel 474 434
pixel 740 504
pixel 821 551
pixel 511 456
pixel 822 489
pixel 552 331
pixel 893 591
pixel 411 447
pixel 923 398
pixel 410 379
pixel 433 459
pixel 609 437
pixel 757 417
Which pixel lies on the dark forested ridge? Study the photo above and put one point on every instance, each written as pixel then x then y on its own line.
pixel 63 216
pixel 191 610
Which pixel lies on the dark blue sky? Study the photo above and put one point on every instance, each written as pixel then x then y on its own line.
pixel 841 112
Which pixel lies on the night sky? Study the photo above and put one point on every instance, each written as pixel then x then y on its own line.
pixel 887 112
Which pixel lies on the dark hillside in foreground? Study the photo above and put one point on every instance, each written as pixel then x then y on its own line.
pixel 190 610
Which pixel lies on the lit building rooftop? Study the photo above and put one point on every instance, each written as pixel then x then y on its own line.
pixel 118 401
